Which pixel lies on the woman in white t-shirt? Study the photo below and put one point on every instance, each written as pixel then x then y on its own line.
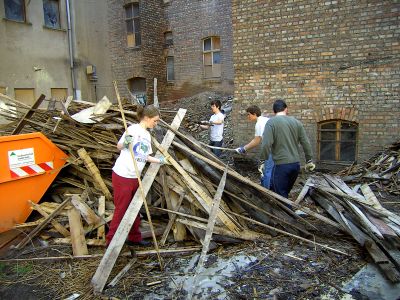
pixel 216 125
pixel 124 179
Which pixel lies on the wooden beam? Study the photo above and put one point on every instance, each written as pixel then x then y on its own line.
pixel 107 263
pixel 78 241
pixel 87 213
pixel 28 114
pixel 101 210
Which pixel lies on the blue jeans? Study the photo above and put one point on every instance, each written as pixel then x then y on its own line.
pixel 217 152
pixel 267 173
pixel 284 177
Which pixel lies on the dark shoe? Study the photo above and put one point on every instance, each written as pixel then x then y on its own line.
pixel 142 243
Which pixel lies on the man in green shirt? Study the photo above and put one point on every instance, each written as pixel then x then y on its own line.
pixel 281 137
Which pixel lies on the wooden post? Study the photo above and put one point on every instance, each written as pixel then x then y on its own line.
pixel 78 241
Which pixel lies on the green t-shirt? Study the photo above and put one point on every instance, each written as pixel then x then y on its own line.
pixel 281 138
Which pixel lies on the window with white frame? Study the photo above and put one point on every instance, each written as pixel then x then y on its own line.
pixel 15 10
pixel 132 19
pixel 212 57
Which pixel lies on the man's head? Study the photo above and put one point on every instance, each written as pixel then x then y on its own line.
pixel 215 105
pixel 279 106
pixel 253 112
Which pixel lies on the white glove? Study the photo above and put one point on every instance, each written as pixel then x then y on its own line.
pixel 261 168
pixel 310 166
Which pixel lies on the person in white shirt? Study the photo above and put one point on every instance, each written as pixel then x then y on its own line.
pixel 124 178
pixel 254 115
pixel 216 125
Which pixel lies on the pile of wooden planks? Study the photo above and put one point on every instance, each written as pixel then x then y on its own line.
pixel 381 170
pixel 362 216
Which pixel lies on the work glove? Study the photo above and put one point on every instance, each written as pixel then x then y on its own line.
pixel 310 166
pixel 127 141
pixel 241 150
pixel 261 168
pixel 164 160
pixel 208 123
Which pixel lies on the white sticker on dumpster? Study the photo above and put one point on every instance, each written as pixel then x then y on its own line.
pixel 21 158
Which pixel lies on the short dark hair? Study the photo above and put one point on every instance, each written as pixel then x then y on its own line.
pixel 254 110
pixel 217 103
pixel 279 105
pixel 149 111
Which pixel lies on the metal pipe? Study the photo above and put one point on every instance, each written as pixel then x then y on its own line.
pixel 71 49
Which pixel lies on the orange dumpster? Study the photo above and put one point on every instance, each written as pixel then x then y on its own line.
pixel 28 165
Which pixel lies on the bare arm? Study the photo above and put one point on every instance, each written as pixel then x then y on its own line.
pixel 152 159
pixel 253 143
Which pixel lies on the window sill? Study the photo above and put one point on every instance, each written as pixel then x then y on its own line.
pixel 213 79
pixel 170 82
pixel 133 48
pixel 55 29
pixel 19 22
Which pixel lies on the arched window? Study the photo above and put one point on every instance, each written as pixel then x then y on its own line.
pixel 137 88
pixel 212 57
pixel 337 140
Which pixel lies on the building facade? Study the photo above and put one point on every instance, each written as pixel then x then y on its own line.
pixel 185 45
pixel 336 63
pixel 55 48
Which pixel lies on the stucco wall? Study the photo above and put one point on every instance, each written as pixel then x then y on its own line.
pixel 327 59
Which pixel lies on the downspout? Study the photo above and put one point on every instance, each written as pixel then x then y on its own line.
pixel 71 50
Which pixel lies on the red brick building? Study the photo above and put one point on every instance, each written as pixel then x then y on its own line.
pixel 336 63
pixel 186 45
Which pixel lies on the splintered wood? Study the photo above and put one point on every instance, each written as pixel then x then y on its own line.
pixel 182 196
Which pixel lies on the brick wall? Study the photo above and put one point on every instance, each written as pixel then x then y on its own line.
pixel 340 57
pixel 145 61
pixel 191 22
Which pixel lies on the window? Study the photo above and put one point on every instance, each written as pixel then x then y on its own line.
pixel 132 20
pixel 337 140
pixel 168 39
pixel 137 89
pixel 26 96
pixel 170 68
pixel 15 10
pixel 59 93
pixel 212 57
pixel 51 11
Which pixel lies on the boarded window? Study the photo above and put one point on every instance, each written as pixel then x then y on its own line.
pixel 15 10
pixel 51 11
pixel 337 141
pixel 26 96
pixel 212 57
pixel 132 19
pixel 59 94
pixel 170 68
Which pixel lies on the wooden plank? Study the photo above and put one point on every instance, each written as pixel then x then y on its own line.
pixel 28 115
pixel 171 221
pixel 122 272
pixel 87 213
pixel 209 231
pixel 303 192
pixel 61 229
pixel 101 209
pixel 107 263
pixel 95 173
pixel 47 220
pixel 270 195
pixel 89 242
pixel 198 189
pixel 78 241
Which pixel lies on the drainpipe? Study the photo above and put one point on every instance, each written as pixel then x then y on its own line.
pixel 71 50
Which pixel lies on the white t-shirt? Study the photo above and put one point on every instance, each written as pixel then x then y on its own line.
pixel 260 125
pixel 217 131
pixel 141 148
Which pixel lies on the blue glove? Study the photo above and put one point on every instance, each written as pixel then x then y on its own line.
pixel 164 160
pixel 127 141
pixel 241 150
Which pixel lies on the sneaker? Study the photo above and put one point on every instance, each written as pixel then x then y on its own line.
pixel 141 243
